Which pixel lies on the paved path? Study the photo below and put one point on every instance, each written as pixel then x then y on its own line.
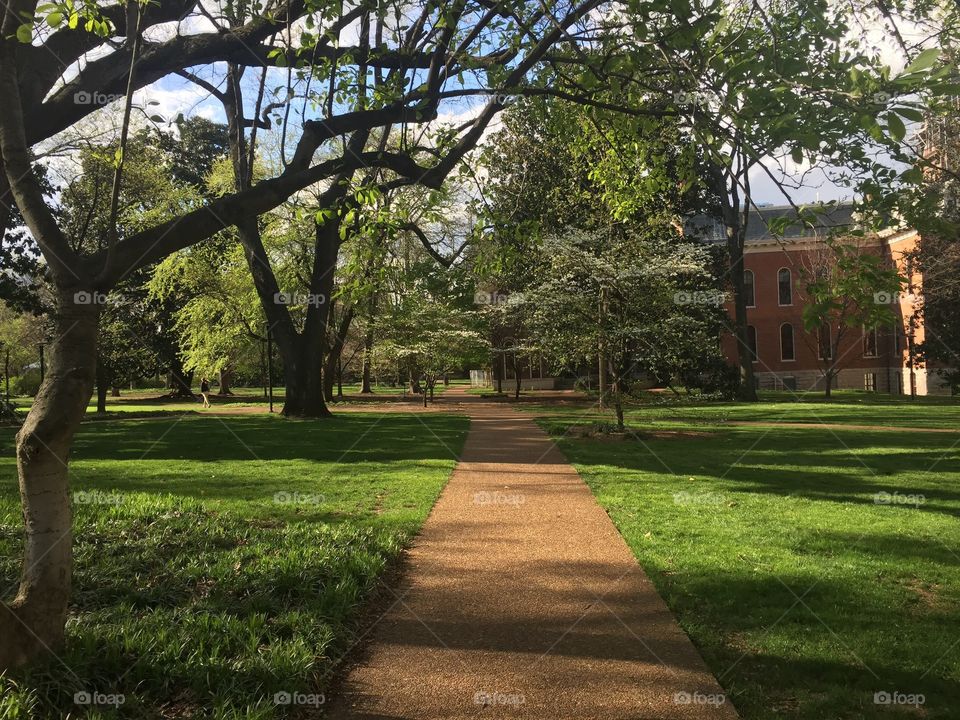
pixel 521 600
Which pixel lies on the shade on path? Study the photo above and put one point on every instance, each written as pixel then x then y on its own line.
pixel 521 600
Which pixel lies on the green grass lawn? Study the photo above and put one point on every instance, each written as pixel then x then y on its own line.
pixel 844 408
pixel 153 402
pixel 222 560
pixel 812 567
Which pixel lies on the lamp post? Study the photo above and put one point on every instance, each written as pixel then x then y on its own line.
pixel 270 365
pixel 6 369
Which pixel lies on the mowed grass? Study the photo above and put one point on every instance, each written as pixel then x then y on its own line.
pixel 844 408
pixel 154 402
pixel 220 561
pixel 814 568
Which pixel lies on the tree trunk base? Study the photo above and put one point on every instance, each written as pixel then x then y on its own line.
pixel 306 413
pixel 27 637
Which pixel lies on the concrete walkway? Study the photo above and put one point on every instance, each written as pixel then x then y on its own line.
pixel 520 599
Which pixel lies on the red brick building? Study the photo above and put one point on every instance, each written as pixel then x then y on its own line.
pixel 787 357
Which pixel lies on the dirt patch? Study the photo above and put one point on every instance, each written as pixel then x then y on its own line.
pixel 927 594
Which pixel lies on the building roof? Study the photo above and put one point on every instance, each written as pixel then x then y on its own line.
pixel 830 218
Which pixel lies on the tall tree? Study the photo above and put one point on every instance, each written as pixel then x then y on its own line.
pixel 419 56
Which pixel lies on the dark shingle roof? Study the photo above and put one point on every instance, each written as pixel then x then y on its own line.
pixel 829 219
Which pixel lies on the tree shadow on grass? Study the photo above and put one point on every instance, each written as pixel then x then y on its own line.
pixel 812 464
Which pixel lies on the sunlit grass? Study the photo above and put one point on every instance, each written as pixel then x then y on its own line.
pixel 222 560
pixel 813 567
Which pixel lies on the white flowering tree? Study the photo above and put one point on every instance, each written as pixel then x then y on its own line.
pixel 640 301
pixel 430 338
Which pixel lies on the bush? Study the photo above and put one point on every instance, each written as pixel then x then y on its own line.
pixel 716 377
pixel 26 384
pixel 150 383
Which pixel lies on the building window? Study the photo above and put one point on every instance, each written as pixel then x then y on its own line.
pixel 786 342
pixel 870 382
pixel 784 287
pixel 790 382
pixel 825 343
pixel 752 342
pixel 748 291
pixel 870 342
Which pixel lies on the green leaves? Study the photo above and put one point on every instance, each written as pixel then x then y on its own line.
pixel 896 127
pixel 923 61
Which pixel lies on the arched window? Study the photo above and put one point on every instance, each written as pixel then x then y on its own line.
pixel 748 292
pixel 752 342
pixel 784 287
pixel 786 342
pixel 870 342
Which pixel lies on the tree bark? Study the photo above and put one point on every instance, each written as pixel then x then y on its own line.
pixel 225 378
pixel 303 374
pixel 747 390
pixel 366 388
pixel 180 382
pixel 518 376
pixel 33 624
pixel 415 386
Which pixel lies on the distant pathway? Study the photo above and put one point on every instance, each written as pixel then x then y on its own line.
pixel 520 599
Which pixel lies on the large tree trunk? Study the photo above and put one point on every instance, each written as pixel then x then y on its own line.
pixel 179 381
pixel 415 386
pixel 32 625
pixel 747 390
pixel 225 377
pixel 303 375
